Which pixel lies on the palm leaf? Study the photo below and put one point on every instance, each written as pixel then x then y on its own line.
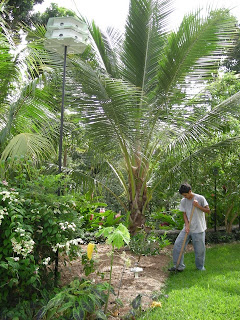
pixel 195 49
pixel 206 126
pixel 105 50
pixel 144 39
pixel 29 146
pixel 108 105
pixel 29 113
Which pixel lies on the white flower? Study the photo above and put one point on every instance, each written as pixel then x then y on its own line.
pixel 65 225
pixel 67 247
pixel 6 195
pixel 76 241
pixel 36 270
pixel 54 248
pixel 23 246
pixel 46 261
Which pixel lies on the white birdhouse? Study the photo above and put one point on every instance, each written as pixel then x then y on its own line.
pixel 66 31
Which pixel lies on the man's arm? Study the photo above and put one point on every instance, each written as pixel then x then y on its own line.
pixel 185 218
pixel 205 209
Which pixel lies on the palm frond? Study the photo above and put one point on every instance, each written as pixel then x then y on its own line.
pixel 30 112
pixel 206 126
pixel 9 71
pixel 82 179
pixel 144 35
pixel 120 177
pixel 195 50
pixel 115 117
pixel 29 146
pixel 207 152
pixel 107 105
pixel 105 49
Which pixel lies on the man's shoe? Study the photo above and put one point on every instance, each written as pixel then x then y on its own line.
pixel 203 269
pixel 173 269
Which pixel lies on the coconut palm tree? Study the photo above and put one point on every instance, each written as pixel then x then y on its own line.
pixel 135 101
pixel 135 88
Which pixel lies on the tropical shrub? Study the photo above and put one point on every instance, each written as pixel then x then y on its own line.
pixel 166 220
pixel 19 271
pixel 32 232
pixel 143 243
pixel 106 218
pixel 81 299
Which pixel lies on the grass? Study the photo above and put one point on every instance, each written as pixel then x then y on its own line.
pixel 203 295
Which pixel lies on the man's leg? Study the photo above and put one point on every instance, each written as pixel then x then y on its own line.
pixel 198 240
pixel 177 248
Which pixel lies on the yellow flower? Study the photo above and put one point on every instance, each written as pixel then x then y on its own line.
pixel 90 248
pixel 156 304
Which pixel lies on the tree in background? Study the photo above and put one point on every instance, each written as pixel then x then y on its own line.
pixel 221 152
pixel 223 155
pixel 232 62
pixel 52 11
pixel 19 11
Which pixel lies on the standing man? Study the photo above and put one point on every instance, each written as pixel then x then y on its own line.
pixel 195 231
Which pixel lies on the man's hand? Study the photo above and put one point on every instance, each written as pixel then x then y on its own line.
pixel 187 229
pixel 204 209
pixel 196 204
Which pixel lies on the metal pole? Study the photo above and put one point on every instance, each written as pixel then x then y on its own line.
pixel 191 170
pixel 60 149
pixel 215 205
pixel 62 113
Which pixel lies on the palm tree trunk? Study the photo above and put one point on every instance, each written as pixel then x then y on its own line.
pixel 137 201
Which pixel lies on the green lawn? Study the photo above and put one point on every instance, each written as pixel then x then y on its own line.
pixel 203 295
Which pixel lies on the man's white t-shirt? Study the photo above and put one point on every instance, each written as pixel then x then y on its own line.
pixel 198 223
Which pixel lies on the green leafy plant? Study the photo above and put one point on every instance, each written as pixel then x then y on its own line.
pixel 81 299
pixel 18 268
pixel 136 310
pixel 144 243
pixel 166 220
pixel 37 223
pixel 117 238
pixel 107 218
pixel 24 310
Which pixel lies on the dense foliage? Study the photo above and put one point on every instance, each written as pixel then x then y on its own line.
pixel 33 231
pixel 135 128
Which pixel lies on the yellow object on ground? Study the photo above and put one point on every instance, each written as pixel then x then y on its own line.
pixel 90 248
pixel 156 304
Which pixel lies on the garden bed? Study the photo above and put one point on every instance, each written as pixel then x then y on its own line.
pixel 148 284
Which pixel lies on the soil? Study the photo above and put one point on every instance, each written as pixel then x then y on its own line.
pixel 126 285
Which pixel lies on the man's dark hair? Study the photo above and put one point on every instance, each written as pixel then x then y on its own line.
pixel 185 188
